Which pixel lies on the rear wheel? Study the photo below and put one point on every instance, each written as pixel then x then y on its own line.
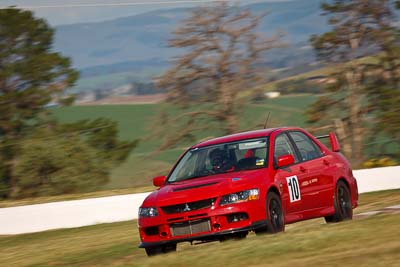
pixel 275 220
pixel 153 251
pixel 342 204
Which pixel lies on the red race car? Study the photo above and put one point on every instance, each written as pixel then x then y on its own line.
pixel 252 181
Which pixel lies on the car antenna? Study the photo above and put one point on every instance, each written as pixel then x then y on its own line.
pixel 266 121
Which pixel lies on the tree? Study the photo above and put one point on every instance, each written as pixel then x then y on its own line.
pixel 102 135
pixel 31 75
pixel 383 84
pixel 38 155
pixel 359 29
pixel 220 55
pixel 70 158
pixel 50 165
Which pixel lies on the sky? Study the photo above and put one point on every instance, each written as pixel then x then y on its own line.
pixel 58 12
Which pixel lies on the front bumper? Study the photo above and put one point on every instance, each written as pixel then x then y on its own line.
pixel 206 237
pixel 202 225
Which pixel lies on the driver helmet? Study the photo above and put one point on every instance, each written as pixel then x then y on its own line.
pixel 217 159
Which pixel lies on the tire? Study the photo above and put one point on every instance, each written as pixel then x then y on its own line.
pixel 153 251
pixel 342 204
pixel 275 217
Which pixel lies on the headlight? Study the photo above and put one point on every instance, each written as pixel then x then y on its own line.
pixel 148 212
pixel 242 196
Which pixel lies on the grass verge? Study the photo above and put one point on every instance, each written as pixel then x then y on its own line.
pixel 364 242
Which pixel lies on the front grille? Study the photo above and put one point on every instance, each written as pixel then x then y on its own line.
pixel 197 205
pixel 190 227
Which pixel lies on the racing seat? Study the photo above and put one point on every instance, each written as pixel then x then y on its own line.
pixel 246 163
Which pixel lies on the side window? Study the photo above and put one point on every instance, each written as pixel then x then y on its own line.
pixel 283 146
pixel 306 146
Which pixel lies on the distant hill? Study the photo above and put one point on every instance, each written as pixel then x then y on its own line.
pixel 124 66
pixel 136 38
pixel 144 37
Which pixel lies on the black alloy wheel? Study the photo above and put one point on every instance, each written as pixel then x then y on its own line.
pixel 342 204
pixel 275 218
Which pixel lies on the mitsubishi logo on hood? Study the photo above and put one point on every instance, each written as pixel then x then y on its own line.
pixel 187 208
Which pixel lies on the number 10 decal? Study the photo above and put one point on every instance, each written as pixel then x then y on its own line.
pixel 294 188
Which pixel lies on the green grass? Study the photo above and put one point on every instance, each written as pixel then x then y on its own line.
pixel 135 122
pixel 378 200
pixel 284 111
pixel 362 242
pixel 132 119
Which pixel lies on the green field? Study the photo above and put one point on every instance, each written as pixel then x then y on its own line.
pixel 135 123
pixel 372 241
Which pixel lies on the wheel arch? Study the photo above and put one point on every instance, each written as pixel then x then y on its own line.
pixel 345 181
pixel 341 212
pixel 274 189
pixel 352 189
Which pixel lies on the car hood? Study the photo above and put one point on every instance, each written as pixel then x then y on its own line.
pixel 204 187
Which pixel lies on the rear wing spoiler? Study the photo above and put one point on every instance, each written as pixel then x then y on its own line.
pixel 335 146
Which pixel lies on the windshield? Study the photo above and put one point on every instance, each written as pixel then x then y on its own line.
pixel 222 158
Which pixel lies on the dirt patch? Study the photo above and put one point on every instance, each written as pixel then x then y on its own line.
pixel 387 210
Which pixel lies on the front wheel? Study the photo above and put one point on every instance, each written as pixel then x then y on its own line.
pixel 342 204
pixel 275 219
pixel 153 251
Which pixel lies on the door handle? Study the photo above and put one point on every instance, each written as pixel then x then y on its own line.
pixel 302 169
pixel 326 162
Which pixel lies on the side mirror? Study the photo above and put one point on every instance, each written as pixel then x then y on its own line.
pixel 285 160
pixel 334 142
pixel 159 181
